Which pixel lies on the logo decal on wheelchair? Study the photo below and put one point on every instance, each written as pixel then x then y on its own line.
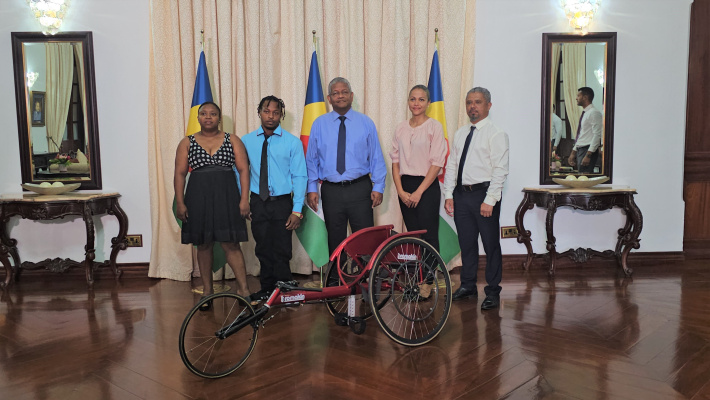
pixel 407 257
pixel 296 297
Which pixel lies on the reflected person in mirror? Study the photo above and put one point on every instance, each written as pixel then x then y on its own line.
pixel 208 208
pixel 589 133
pixel 557 129
pixel 475 174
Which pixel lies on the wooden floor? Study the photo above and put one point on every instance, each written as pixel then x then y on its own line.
pixel 587 334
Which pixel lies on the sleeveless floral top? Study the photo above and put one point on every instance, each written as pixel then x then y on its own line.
pixel 197 157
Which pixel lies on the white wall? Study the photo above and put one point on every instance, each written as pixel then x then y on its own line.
pixel 121 38
pixel 649 128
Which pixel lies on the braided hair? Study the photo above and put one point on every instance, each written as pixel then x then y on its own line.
pixel 268 99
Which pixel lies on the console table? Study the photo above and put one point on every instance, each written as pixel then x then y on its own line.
pixel 590 199
pixel 45 207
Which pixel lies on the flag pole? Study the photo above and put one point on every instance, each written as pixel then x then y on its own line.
pixel 202 39
pixel 320 269
pixel 436 38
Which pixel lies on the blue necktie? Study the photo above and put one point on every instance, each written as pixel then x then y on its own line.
pixel 340 165
pixel 459 179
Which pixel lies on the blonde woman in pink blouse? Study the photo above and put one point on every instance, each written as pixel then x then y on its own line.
pixel 418 154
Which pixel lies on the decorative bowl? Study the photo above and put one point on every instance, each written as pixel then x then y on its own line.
pixel 581 184
pixel 52 189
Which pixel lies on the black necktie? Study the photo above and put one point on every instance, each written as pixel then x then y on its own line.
pixel 264 172
pixel 340 164
pixel 462 160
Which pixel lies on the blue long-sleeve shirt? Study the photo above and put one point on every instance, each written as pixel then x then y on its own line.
pixel 363 154
pixel 287 166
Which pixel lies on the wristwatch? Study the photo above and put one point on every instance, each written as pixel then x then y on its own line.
pixel 298 214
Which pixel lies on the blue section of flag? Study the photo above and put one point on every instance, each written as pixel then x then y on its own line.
pixel 314 93
pixel 435 90
pixel 203 91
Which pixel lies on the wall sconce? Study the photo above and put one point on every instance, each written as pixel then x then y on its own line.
pixel 580 12
pixel 31 78
pixel 599 74
pixel 49 13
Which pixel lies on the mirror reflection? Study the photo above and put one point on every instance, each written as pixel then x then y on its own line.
pixel 55 96
pixel 57 134
pixel 577 121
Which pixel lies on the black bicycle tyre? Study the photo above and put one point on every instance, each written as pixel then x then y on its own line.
pixel 222 313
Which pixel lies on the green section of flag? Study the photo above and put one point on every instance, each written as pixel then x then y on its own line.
pixel 448 241
pixel 314 237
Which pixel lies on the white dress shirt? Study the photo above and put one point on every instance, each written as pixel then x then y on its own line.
pixel 486 159
pixel 591 132
pixel 557 127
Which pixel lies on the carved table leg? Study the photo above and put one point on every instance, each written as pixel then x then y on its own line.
pixel 4 251
pixel 89 248
pixel 623 234
pixel 632 238
pixel 8 247
pixel 549 223
pixel 524 235
pixel 119 242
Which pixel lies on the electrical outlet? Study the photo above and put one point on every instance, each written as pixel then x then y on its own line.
pixel 507 232
pixel 135 240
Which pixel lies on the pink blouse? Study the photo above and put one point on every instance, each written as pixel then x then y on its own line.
pixel 417 149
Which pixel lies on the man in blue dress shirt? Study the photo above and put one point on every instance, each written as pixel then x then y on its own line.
pixel 344 153
pixel 278 188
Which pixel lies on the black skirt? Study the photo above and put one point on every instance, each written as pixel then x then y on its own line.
pixel 212 199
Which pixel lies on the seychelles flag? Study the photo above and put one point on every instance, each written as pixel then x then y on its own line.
pixel 312 232
pixel 448 240
pixel 201 94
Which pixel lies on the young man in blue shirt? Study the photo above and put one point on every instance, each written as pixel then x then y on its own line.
pixel 278 188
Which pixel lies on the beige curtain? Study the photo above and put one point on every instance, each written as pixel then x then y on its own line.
pixel 555 70
pixel 573 76
pixel 79 57
pixel 60 71
pixel 256 48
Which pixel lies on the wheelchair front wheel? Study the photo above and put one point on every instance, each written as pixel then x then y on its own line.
pixel 204 351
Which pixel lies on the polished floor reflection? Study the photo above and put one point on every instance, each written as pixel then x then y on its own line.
pixel 587 334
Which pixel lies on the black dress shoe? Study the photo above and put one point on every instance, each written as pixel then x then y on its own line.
pixel 490 303
pixel 463 293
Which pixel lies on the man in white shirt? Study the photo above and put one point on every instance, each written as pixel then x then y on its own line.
pixel 557 128
pixel 475 173
pixel 589 133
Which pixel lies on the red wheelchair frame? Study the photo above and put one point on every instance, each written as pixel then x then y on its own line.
pixel 375 270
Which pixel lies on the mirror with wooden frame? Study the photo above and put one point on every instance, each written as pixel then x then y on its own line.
pixel 571 62
pixel 55 95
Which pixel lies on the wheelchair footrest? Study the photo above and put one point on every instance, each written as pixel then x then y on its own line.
pixel 356 324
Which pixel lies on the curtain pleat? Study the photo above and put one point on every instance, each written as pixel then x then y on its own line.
pixel 60 71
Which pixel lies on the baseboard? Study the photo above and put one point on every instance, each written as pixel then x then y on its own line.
pixel 696 248
pixel 635 260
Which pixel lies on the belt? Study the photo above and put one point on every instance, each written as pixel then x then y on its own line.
pixel 345 183
pixel 473 188
pixel 273 198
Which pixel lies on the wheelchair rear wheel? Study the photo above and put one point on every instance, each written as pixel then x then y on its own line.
pixel 398 276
